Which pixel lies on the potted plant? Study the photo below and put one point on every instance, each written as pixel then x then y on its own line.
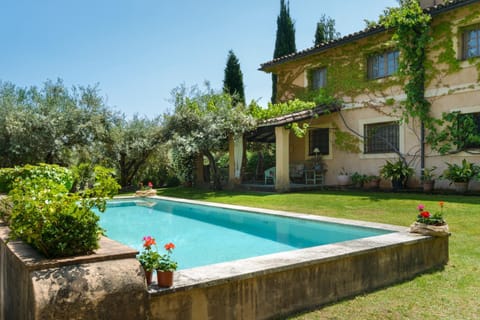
pixel 343 178
pixel 372 182
pixel 149 257
pixel 166 266
pixel 359 179
pixel 461 175
pixel 428 179
pixel 398 172
pixel 146 191
pixel 430 224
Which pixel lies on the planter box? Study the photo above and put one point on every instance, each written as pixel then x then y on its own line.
pixel 106 285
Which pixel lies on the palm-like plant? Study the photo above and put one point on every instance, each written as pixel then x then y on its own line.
pixel 461 173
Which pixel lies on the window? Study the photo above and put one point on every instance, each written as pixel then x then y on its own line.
pixel 381 137
pixel 471 123
pixel 319 78
pixel 318 138
pixel 471 43
pixel 383 65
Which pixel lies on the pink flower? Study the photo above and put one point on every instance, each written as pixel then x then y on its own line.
pixel 420 207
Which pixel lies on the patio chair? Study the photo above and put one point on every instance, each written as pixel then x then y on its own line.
pixel 270 174
pixel 296 172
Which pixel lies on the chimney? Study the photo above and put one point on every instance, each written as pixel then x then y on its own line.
pixel 430 3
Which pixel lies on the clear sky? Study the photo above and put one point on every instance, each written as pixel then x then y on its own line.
pixel 137 51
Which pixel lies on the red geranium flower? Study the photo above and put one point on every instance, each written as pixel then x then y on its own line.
pixel 148 241
pixel 169 246
pixel 425 214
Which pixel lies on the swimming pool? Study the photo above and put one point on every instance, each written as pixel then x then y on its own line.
pixel 206 235
pixel 278 284
pixel 263 287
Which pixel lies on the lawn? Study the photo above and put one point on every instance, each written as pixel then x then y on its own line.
pixel 451 293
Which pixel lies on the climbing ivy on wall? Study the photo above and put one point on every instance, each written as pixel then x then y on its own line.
pixel 289 107
pixel 460 132
pixel 453 132
pixel 412 36
pixel 427 57
pixel 346 72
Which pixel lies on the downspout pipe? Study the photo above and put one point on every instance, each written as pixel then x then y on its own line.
pixel 422 149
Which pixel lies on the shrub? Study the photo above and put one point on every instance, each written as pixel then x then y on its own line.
pixel 5 208
pixel 52 172
pixel 54 221
pixel 6 179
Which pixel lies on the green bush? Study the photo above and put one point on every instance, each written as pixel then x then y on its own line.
pixel 6 179
pixel 54 221
pixel 49 171
pixel 5 208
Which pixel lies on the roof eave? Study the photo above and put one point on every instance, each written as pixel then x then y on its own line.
pixel 433 11
pixel 267 67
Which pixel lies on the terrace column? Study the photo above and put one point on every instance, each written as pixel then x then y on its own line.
pixel 235 151
pixel 282 180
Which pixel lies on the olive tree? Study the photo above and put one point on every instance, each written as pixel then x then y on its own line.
pixel 133 143
pixel 201 123
pixel 53 124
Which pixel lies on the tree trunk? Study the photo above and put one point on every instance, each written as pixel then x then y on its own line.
pixel 243 170
pixel 260 167
pixel 217 183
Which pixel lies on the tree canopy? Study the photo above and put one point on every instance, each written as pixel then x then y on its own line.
pixel 284 41
pixel 49 124
pixel 325 30
pixel 202 122
pixel 133 143
pixel 233 80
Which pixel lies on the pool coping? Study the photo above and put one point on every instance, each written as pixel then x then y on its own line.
pixel 217 274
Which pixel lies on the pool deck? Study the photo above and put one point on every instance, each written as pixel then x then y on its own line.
pixel 283 283
pixel 110 283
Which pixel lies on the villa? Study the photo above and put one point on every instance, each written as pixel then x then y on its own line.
pixel 365 129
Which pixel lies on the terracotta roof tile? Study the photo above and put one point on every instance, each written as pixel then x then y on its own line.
pixel 434 10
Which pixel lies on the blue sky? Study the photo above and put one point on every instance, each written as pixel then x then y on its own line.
pixel 139 50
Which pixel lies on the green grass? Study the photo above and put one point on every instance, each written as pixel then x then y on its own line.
pixel 452 293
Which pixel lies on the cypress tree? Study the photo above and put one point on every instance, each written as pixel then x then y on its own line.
pixel 233 81
pixel 285 40
pixel 325 30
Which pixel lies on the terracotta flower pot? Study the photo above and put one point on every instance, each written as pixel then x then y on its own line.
pixel 428 185
pixel 461 187
pixel 148 276
pixel 164 278
pixel 372 184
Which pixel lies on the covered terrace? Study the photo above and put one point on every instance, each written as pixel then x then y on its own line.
pixel 285 175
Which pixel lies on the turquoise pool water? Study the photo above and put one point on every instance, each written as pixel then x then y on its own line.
pixel 206 235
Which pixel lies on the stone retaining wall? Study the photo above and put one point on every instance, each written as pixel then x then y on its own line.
pixel 106 285
pixel 279 290
pixel 110 284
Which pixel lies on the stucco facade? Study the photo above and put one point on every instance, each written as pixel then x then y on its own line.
pixel 452 85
